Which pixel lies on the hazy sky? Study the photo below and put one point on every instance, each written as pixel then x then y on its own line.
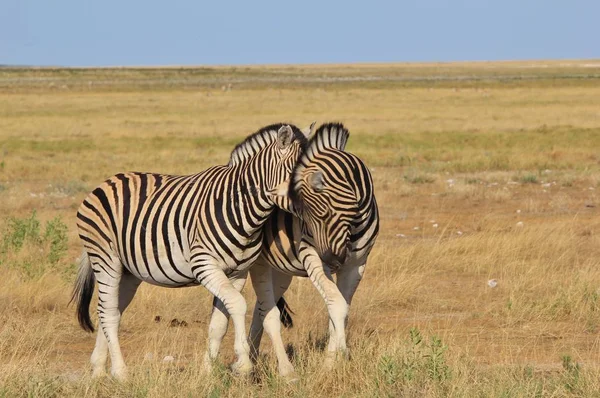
pixel 193 32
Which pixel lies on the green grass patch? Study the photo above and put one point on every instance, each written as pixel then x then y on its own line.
pixel 53 147
pixel 418 179
pixel 559 148
pixel 529 179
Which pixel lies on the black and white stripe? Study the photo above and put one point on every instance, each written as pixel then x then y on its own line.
pixel 332 192
pixel 177 231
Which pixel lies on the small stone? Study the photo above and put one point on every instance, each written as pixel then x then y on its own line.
pixel 168 358
pixel 459 233
pixel 492 283
pixel 520 224
pixel 435 225
pixel 400 236
pixel 157 318
pixel 416 228
pixel 519 211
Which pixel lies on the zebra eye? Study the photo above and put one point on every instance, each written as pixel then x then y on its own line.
pixel 317 181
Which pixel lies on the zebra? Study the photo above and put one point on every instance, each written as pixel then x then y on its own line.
pixel 176 231
pixel 334 228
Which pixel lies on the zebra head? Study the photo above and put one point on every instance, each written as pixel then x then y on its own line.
pixel 274 151
pixel 328 192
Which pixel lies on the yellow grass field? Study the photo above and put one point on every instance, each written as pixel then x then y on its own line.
pixel 482 170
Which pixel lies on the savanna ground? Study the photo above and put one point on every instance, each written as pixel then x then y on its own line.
pixel 482 170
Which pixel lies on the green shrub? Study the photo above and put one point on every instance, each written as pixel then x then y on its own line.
pixel 56 236
pixel 46 248
pixel 19 231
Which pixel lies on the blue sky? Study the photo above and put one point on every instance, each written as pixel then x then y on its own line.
pixel 188 32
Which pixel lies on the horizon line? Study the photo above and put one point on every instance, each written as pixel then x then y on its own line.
pixel 361 63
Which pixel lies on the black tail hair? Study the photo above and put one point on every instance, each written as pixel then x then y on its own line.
pixel 83 291
pixel 285 313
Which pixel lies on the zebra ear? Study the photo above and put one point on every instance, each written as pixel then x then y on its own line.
pixel 309 130
pixel 285 135
pixel 316 181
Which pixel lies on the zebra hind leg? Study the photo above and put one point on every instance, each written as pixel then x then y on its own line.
pixel 127 289
pixel 281 282
pixel 219 321
pixel 268 312
pixel 99 355
pixel 115 292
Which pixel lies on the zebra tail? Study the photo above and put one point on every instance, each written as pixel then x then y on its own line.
pixel 285 313
pixel 83 291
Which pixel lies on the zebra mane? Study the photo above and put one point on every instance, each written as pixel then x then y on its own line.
pixel 327 136
pixel 263 137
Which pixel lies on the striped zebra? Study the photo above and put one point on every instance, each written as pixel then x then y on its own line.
pixel 333 193
pixel 175 231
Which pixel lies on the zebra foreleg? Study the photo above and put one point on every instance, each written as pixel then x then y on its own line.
pixel 211 276
pixel 128 286
pixel 337 305
pixel 268 312
pixel 347 282
pixel 219 321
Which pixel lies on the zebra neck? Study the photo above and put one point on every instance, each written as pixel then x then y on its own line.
pixel 366 220
pixel 250 200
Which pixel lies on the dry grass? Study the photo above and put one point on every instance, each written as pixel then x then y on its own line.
pixel 460 154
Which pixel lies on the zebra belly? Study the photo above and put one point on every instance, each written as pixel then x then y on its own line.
pixel 282 259
pixel 158 266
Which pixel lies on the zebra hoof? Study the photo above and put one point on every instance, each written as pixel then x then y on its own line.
pixel 242 368
pixel 98 373
pixel 120 375
pixel 333 357
pixel 291 378
pixel 287 371
pixel 207 365
pixel 329 362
